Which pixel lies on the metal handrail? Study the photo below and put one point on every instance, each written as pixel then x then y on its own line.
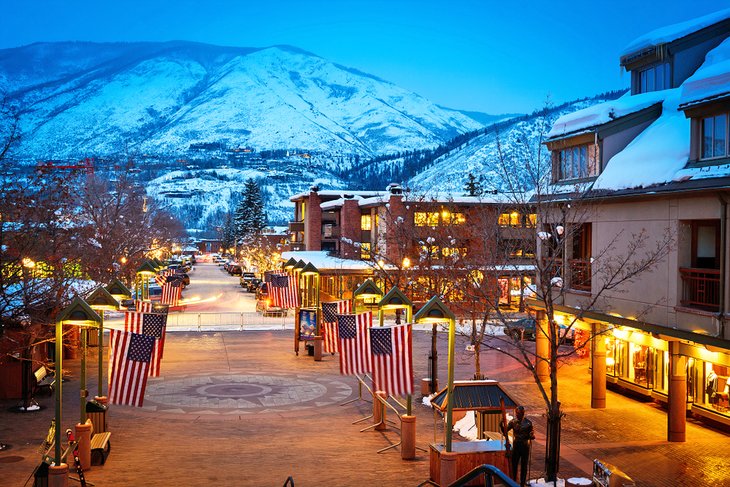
pixel 489 472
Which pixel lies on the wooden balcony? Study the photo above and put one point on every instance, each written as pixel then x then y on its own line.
pixel 700 288
pixel 296 227
pixel 580 274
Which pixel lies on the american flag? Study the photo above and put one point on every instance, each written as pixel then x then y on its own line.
pixel 171 292
pixel 150 324
pixel 392 359
pixel 143 306
pixel 161 278
pixel 284 291
pixel 129 362
pixel 329 321
pixel 354 340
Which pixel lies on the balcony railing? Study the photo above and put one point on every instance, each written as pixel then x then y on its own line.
pixel 580 274
pixel 296 226
pixel 700 288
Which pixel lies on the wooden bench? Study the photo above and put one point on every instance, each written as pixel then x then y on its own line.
pixel 100 445
pixel 43 380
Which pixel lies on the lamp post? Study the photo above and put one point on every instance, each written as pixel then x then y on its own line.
pixel 366 290
pixel 78 313
pixel 395 299
pixel 434 311
pixel 100 300
pixel 145 271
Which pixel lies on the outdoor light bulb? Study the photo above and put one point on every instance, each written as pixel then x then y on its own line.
pixel 28 263
pixel 406 262
pixel 381 263
pixel 123 260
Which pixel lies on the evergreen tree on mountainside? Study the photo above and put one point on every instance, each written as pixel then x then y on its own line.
pixel 228 238
pixel 473 186
pixel 250 217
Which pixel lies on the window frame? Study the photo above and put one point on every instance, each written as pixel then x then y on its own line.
pixel 701 135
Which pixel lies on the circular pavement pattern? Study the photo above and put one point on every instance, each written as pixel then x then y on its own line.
pixel 242 393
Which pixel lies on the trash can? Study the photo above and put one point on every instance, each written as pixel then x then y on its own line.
pixel 607 475
pixel 40 476
pixel 96 412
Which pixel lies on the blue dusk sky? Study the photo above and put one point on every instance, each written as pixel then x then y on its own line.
pixel 488 56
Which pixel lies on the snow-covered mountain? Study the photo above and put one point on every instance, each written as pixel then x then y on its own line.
pixel 86 99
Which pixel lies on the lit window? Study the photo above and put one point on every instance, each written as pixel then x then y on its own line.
pixel 426 219
pixel 458 218
pixel 531 220
pixel 365 251
pixel 366 223
pixel 511 219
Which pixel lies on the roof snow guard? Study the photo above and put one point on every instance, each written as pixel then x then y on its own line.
pixel 474 395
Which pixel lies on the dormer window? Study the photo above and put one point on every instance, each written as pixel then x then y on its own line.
pixel 714 137
pixel 653 78
pixel 577 162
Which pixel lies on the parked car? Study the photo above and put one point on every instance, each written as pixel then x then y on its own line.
pixel 526 329
pixel 234 269
pixel 247 281
pixel 264 302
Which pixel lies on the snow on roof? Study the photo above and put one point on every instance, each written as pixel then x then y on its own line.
pixel 323 261
pixel 596 115
pixel 338 202
pixel 655 155
pixel 673 32
pixel 337 192
pixel 711 80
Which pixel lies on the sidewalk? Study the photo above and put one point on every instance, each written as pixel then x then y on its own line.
pixel 239 408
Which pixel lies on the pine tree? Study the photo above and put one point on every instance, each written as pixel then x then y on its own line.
pixel 473 186
pixel 228 238
pixel 250 217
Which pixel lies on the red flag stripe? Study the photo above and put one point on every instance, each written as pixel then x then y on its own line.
pixel 127 378
pixel 393 373
pixel 355 356
pixel 329 329
pixel 133 322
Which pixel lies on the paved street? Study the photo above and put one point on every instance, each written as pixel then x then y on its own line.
pixel 240 408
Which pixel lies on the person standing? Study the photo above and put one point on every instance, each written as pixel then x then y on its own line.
pixel 523 432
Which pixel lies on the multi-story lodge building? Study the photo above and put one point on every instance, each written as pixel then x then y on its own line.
pixel 421 237
pixel 653 168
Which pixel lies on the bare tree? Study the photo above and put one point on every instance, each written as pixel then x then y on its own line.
pixel 121 228
pixel 560 266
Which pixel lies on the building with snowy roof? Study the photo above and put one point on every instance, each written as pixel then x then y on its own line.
pixel 422 235
pixel 651 164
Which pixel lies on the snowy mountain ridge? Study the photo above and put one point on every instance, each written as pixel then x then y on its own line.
pixel 86 99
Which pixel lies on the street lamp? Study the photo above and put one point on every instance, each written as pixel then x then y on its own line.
pixel 395 299
pixel 312 292
pixel 366 290
pixel 99 300
pixel 434 311
pixel 78 313
pixel 145 271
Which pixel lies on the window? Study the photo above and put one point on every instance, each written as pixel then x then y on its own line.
pixel 511 219
pixel 366 223
pixel 655 78
pixel 365 251
pixel 577 162
pixel 517 219
pixel 714 136
pixel 426 219
pixel 456 218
